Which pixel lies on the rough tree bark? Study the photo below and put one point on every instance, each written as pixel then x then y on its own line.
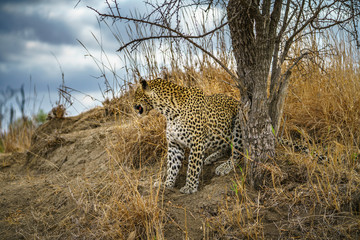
pixel 253 54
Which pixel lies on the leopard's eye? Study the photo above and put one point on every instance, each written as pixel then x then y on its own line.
pixel 139 108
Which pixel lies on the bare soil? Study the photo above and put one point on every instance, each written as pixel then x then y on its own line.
pixel 41 191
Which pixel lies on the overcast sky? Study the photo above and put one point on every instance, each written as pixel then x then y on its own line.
pixel 39 36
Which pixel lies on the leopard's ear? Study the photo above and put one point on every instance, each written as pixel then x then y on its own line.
pixel 143 83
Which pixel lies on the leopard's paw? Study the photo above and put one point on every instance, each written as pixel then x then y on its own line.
pixel 224 168
pixel 188 190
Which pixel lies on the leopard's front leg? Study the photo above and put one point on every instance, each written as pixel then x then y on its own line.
pixel 174 157
pixel 194 168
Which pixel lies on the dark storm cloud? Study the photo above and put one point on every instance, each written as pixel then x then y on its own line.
pixel 8 46
pixel 35 27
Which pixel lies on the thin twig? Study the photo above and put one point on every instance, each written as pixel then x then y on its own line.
pixel 178 35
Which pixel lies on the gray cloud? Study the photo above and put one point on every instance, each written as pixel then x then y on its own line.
pixel 32 32
pixel 34 27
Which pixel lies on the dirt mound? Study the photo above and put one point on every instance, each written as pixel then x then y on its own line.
pixel 91 177
pixel 34 194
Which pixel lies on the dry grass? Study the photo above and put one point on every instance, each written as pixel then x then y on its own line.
pixel 140 142
pixel 123 204
pixel 325 102
pixel 116 208
pixel 17 138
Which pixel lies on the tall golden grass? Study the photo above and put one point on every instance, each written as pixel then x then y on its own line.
pixel 18 137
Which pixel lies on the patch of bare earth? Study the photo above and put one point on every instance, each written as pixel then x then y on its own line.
pixel 91 177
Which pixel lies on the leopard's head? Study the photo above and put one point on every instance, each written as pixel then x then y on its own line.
pixel 142 101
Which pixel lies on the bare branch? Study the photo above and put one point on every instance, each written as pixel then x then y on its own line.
pixel 275 73
pixel 355 26
pixel 295 62
pixel 178 35
pixel 266 8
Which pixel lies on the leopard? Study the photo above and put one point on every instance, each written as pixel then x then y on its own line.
pixel 208 125
pixel 205 124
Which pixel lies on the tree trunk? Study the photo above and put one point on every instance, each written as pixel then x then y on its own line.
pixel 258 140
pixel 277 103
pixel 253 58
